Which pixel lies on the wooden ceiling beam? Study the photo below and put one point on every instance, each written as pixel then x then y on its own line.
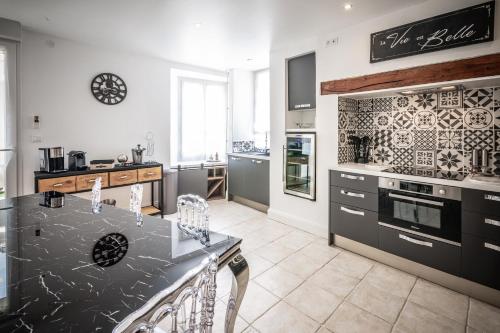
pixel 483 66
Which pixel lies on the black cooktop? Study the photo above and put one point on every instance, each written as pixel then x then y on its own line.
pixel 427 172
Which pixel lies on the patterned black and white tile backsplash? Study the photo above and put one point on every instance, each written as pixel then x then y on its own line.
pixel 434 130
pixel 243 146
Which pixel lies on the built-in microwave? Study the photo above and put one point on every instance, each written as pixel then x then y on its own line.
pixel 429 210
pixel 299 165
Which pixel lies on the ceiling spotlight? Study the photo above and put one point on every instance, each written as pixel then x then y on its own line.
pixel 347 6
pixel 197 25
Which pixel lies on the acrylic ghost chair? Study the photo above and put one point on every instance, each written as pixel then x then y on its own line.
pixel 192 217
pixel 186 306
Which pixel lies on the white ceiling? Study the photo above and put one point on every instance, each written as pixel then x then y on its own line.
pixel 231 31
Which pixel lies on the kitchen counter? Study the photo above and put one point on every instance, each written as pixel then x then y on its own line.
pixel 254 155
pixel 53 284
pixel 377 170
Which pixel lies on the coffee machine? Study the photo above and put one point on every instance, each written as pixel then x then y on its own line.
pixel 76 160
pixel 51 159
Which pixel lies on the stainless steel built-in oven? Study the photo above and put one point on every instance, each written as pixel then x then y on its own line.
pixel 429 210
pixel 299 165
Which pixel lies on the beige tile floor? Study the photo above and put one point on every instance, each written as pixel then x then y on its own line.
pixel 300 284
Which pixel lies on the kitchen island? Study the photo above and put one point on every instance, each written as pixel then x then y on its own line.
pixel 53 277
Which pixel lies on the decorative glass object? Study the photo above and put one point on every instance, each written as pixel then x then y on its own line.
pixel 96 196
pixel 136 201
pixel 192 217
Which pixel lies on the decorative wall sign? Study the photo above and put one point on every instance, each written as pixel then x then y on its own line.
pixel 467 26
pixel 108 88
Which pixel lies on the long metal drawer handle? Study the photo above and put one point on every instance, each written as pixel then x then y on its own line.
pixel 58 185
pixel 150 174
pixel 343 175
pixel 492 197
pixel 404 197
pixel 492 247
pixel 235 158
pixel 352 194
pixel 415 241
pixel 351 211
pixel 492 222
pixel 91 181
pixel 123 177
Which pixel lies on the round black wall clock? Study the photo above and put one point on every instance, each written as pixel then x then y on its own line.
pixel 108 88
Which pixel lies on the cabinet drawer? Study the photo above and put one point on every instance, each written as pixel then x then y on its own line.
pixel 354 181
pixel 481 260
pixel 148 174
pixel 445 257
pixel 481 201
pixel 357 224
pixel 354 198
pixel 123 177
pixel 61 184
pixel 85 182
pixel 481 224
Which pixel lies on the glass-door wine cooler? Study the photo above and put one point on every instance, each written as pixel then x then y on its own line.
pixel 299 165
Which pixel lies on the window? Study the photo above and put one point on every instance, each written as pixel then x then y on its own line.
pixel 201 120
pixel 262 109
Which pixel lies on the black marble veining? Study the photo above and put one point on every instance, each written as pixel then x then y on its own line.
pixel 60 273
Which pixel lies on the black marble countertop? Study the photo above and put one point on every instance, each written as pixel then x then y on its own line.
pixel 50 282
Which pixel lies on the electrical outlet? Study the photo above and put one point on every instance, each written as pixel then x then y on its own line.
pixel 36 139
pixel 332 42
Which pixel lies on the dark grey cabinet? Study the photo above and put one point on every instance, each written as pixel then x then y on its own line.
pixel 354 207
pixel 354 223
pixel 249 178
pixel 301 75
pixel 481 237
pixel 445 257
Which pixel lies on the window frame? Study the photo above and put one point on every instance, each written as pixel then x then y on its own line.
pixel 205 83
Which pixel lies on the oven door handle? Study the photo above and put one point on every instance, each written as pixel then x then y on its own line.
pixel 429 202
pixel 415 241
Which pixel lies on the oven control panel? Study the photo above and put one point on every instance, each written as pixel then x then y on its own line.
pixel 435 190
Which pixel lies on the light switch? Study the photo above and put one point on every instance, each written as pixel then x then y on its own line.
pixel 36 139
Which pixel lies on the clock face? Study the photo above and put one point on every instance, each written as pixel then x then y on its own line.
pixel 110 249
pixel 108 88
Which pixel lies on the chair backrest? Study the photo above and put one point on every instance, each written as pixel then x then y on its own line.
pixel 136 202
pixel 186 306
pixel 192 216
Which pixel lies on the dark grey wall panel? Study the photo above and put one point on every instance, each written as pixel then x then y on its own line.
pixel 302 82
pixel 483 225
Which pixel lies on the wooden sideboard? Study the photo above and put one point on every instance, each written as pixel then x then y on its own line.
pixel 82 181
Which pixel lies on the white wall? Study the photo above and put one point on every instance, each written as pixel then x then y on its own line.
pixel 349 58
pixel 55 84
pixel 242 90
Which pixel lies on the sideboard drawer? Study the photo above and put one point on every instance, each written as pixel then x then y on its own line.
pixel 354 181
pixel 117 178
pixel 60 184
pixel 85 182
pixel 149 174
pixel 481 201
